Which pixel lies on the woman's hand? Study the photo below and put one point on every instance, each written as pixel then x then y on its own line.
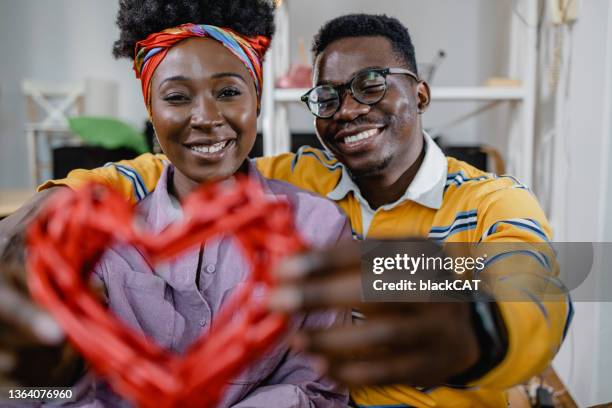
pixel 32 347
pixel 33 351
pixel 422 344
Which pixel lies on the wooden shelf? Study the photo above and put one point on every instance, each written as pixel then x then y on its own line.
pixel 477 93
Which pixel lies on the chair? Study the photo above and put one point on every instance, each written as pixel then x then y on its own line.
pixel 48 107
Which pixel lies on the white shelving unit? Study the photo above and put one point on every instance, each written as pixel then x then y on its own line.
pixel 476 93
pixel 275 115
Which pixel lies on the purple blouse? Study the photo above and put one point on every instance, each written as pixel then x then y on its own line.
pixel 167 305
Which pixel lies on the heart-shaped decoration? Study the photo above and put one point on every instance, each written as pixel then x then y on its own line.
pixel 70 235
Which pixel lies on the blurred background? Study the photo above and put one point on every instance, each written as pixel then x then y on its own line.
pixel 519 86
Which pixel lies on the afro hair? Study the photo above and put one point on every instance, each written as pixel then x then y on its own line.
pixel 139 18
pixel 367 25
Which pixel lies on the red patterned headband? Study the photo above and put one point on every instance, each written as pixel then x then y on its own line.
pixel 150 52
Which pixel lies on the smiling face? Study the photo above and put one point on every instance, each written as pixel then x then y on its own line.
pixel 204 110
pixel 382 139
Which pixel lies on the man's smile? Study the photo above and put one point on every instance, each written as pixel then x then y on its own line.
pixel 358 140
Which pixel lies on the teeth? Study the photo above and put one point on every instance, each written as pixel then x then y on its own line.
pixel 210 148
pixel 360 136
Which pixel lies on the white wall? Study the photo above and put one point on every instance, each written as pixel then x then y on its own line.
pixel 604 391
pixel 579 183
pixel 55 40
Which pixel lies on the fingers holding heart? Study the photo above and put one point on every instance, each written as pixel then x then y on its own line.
pixel 379 353
pixel 406 368
pixel 368 338
pixel 418 343
pixel 344 258
pixel 338 291
pixel 29 325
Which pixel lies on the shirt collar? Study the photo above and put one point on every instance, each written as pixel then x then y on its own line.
pixel 426 189
pixel 165 209
pixel 161 208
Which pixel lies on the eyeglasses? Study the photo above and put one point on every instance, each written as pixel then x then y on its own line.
pixel 367 87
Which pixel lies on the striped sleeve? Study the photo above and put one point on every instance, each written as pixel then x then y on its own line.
pixel 522 267
pixel 463 221
pixel 309 168
pixel 134 179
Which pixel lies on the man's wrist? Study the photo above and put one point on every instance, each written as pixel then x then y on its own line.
pixel 492 339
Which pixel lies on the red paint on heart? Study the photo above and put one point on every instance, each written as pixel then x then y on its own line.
pixel 70 235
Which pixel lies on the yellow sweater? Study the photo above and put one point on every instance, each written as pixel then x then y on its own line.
pixel 474 206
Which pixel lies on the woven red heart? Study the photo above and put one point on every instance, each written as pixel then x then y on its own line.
pixel 73 231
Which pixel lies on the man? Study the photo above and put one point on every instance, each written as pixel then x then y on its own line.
pixel 394 182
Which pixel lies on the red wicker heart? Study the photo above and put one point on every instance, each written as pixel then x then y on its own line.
pixel 73 231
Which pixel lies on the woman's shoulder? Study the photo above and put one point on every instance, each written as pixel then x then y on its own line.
pixel 305 198
pixel 320 221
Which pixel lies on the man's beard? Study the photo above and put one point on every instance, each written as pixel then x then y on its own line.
pixel 371 171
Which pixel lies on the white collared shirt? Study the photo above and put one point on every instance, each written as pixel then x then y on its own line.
pixel 426 189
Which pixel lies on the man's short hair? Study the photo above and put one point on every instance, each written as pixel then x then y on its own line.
pixel 366 25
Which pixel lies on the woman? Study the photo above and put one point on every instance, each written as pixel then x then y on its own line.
pixel 202 88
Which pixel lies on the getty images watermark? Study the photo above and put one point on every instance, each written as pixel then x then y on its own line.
pixel 410 264
pixel 510 271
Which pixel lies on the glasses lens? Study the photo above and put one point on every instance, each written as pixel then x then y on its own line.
pixel 323 101
pixel 369 87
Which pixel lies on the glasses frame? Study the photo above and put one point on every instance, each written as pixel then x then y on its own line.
pixel 348 86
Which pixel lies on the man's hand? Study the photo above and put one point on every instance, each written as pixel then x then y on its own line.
pixel 421 344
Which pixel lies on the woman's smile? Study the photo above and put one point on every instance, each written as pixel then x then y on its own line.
pixel 212 151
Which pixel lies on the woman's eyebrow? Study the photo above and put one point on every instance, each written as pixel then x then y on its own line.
pixel 180 78
pixel 229 74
